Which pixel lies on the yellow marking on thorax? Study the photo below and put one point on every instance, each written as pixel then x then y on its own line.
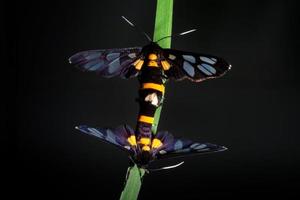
pixel 152 63
pixel 146 119
pixel 146 148
pixel 154 86
pixel 156 143
pixel 132 140
pixel 152 60
pixel 138 64
pixel 165 64
pixel 145 141
pixel 152 56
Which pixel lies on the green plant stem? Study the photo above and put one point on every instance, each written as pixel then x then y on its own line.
pixel 133 183
pixel 163 27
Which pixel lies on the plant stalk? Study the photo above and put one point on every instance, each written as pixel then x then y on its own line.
pixel 163 27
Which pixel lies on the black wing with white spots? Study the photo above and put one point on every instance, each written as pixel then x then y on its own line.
pixel 195 67
pixel 179 147
pixel 116 136
pixel 109 62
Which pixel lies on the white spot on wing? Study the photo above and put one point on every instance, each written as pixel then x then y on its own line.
pixel 200 147
pixel 96 66
pixel 95 132
pixel 114 66
pixel 209 68
pixel 132 55
pixel 127 147
pixel 188 68
pixel 194 145
pixel 189 58
pixel 93 56
pixel 162 152
pixel 172 57
pixel 110 137
pixel 112 56
pixel 208 60
pixel 178 145
pixel 204 70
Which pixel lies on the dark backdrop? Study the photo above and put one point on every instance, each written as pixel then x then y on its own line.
pixel 253 110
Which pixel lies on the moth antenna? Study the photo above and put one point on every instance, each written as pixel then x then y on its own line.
pixel 187 32
pixel 177 34
pixel 129 22
pixel 167 167
pixel 137 28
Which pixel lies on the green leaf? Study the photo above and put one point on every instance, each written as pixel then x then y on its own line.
pixel 133 183
pixel 163 27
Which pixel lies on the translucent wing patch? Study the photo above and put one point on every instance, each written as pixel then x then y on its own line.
pixel 108 63
pixel 195 67
pixel 179 147
pixel 118 136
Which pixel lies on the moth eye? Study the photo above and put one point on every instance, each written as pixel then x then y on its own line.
pixel 112 56
pixel 188 68
pixel 172 57
pixel 132 55
pixel 189 58
pixel 208 60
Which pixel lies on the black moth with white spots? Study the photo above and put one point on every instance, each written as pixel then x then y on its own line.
pixel 169 147
pixel 122 62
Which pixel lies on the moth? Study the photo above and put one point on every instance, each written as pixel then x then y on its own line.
pixel 153 66
pixel 161 146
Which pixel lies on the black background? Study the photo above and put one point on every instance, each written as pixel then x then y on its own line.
pixel 253 110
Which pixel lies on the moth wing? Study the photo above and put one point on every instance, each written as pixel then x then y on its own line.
pixel 116 136
pixel 195 67
pixel 173 147
pixel 109 62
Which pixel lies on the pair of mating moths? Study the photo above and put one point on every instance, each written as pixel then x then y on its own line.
pixel 152 65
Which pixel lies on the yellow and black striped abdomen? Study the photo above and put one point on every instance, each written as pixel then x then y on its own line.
pixel 151 88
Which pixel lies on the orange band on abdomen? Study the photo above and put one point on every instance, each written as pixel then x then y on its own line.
pixel 154 86
pixel 146 119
